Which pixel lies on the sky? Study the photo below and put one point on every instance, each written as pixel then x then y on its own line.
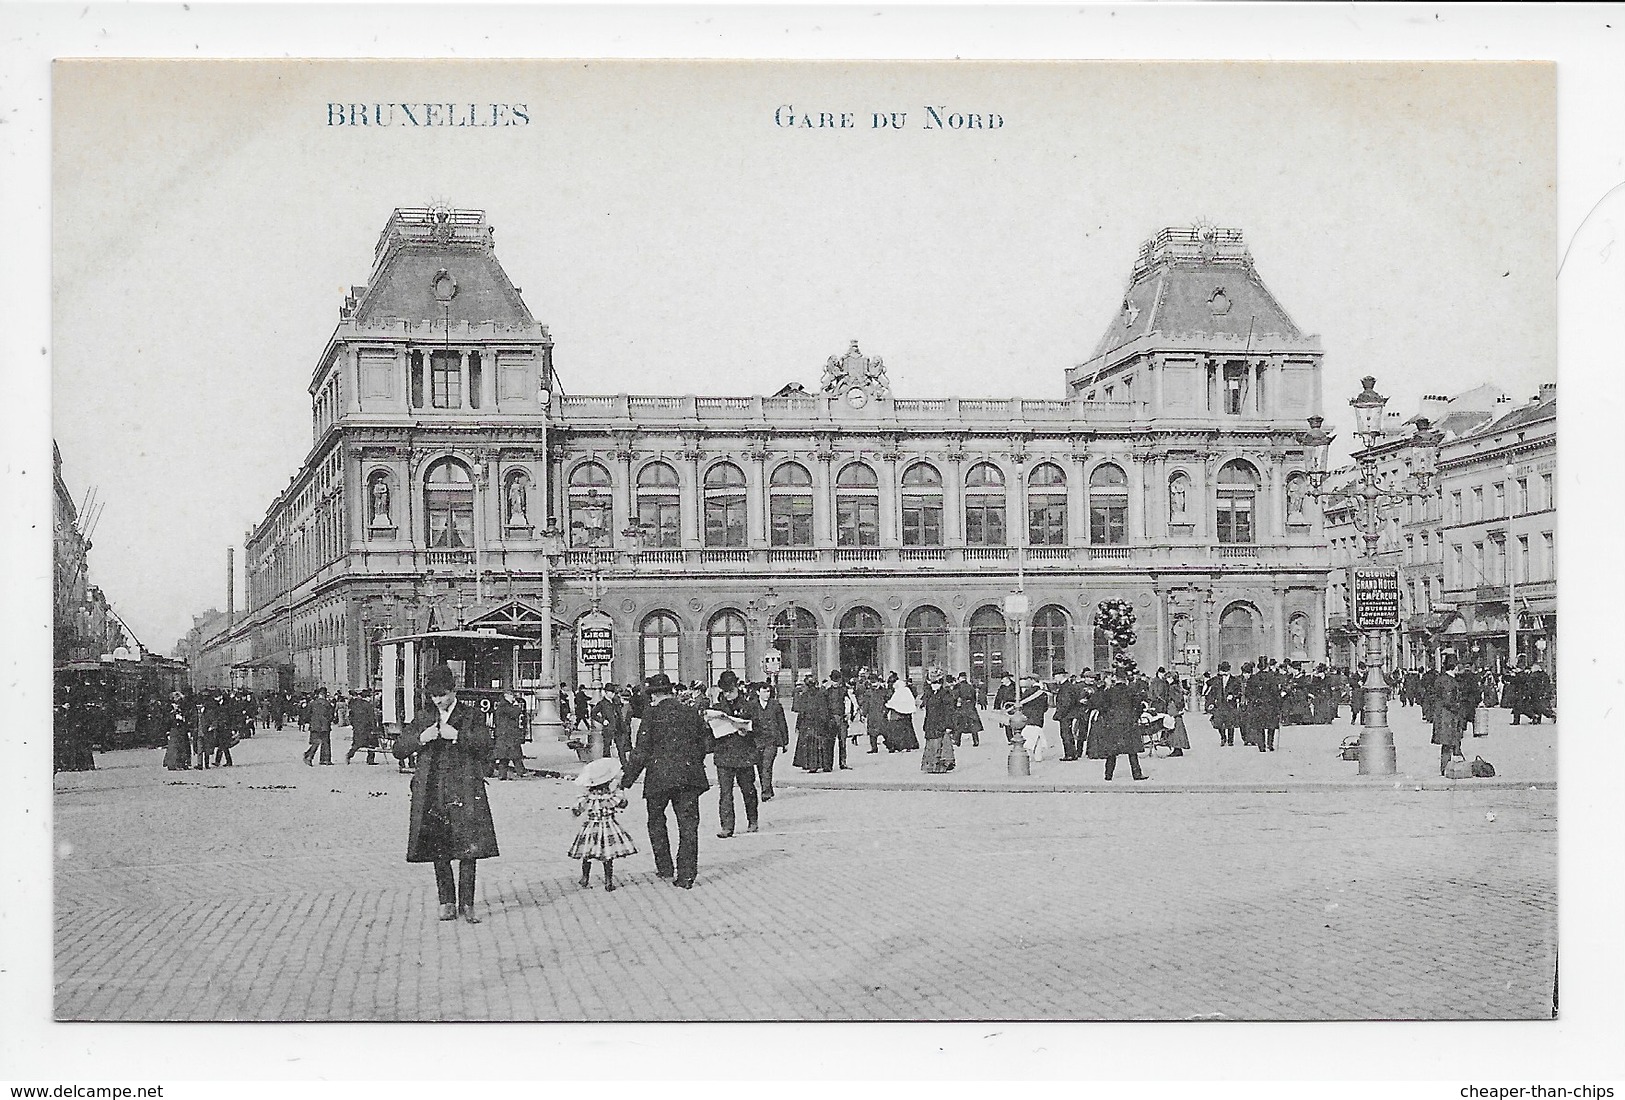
pixel 208 220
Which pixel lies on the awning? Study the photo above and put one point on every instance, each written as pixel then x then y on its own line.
pixel 455 635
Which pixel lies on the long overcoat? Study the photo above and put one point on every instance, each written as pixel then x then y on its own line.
pixel 509 721
pixel 671 748
pixel 1449 708
pixel 1117 727
pixel 451 818
pixel 363 724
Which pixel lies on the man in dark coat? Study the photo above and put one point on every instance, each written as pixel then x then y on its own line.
pixel 321 728
pixel 736 757
pixel 1537 694
pixel 1266 693
pixel 508 724
pixel 1116 729
pixel 672 745
pixel 772 734
pixel 836 698
pixel 363 728
pixel 610 713
pixel 1068 707
pixel 451 818
pixel 1006 693
pixel 1223 697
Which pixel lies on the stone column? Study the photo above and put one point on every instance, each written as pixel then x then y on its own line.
pixel 1165 654
pixel 691 510
pixel 624 496
pixel 953 501
pixel 890 501
pixel 756 534
pixel 1135 465
pixel 1077 503
pixel 891 649
pixel 1015 504
pixel 1278 646
pixel 1276 483
pixel 823 501
pixel 829 650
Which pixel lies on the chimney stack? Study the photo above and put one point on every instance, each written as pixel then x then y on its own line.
pixel 1548 391
pixel 231 587
pixel 1432 406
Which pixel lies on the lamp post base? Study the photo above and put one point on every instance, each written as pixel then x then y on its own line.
pixel 545 724
pixel 1378 758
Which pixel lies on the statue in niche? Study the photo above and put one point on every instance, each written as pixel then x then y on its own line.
pixel 1177 489
pixel 1182 636
pixel 380 503
pixel 1300 638
pixel 1294 496
pixel 517 503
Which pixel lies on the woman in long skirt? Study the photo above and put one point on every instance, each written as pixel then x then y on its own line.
pixel 900 710
pixel 1174 707
pixel 178 754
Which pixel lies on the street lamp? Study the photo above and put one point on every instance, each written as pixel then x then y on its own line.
pixel 547 719
pixel 1368 498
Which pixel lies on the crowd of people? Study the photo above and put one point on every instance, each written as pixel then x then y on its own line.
pixel 663 733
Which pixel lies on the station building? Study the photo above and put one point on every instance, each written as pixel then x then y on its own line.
pixel 840 524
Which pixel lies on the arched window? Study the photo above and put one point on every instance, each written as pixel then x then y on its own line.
pixel 790 506
pixel 590 507
pixel 725 645
pixel 795 636
pixel 1103 650
pixel 659 636
pixel 659 506
pixel 925 641
pixel 1108 506
pixel 857 506
pixel 1046 506
pixel 1049 642
pixel 1237 494
pixel 724 505
pixel 922 505
pixel 448 505
pixel 984 505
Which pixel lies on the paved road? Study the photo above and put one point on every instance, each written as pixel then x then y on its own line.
pixel 271 891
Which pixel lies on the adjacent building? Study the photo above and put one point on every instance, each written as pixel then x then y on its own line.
pixel 1411 538
pixel 84 625
pixel 1499 536
pixel 837 526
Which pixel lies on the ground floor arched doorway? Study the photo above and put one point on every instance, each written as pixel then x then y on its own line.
pixel 988 638
pixel 860 632
pixel 1238 635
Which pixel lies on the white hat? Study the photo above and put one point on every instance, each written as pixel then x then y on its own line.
pixel 605 769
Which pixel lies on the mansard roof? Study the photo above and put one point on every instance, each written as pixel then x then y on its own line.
pixel 1194 284
pixel 417 244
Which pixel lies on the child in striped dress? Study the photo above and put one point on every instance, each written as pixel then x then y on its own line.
pixel 601 836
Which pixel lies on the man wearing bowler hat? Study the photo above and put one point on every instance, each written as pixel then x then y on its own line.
pixel 672 746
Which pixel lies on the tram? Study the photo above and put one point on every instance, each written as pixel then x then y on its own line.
pixel 121 703
pixel 483 665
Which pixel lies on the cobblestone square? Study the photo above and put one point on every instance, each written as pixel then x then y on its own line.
pixel 272 891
